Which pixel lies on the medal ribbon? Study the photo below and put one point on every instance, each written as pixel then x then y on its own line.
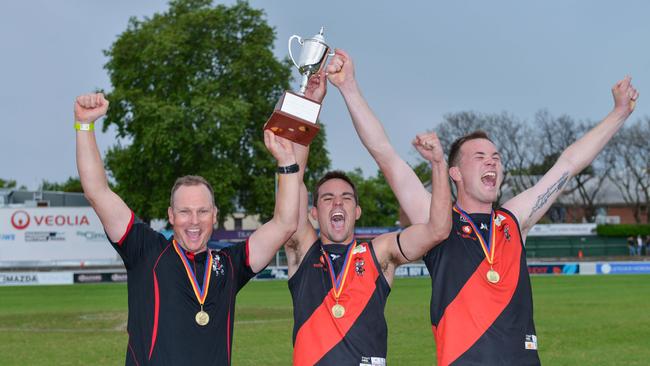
pixel 200 293
pixel 339 282
pixel 488 247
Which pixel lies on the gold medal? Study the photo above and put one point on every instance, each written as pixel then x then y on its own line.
pixel 338 311
pixel 202 318
pixel 489 245
pixel 493 276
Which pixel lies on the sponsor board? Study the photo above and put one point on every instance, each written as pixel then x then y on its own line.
pixel 623 268
pixel 31 236
pixel 92 235
pixel 52 234
pixel 563 230
pixel 411 270
pixel 270 273
pixel 35 278
pixel 92 277
pixel 7 236
pixel 554 268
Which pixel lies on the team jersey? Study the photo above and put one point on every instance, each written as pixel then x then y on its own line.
pixel 359 337
pixel 162 324
pixel 474 321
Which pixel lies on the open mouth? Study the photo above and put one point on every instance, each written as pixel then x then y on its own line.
pixel 489 179
pixel 193 234
pixel 337 220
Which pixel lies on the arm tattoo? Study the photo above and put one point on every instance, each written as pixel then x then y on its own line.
pixel 543 198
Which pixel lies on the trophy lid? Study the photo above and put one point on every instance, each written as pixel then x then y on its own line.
pixel 319 36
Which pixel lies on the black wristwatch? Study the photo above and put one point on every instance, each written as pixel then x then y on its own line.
pixel 293 168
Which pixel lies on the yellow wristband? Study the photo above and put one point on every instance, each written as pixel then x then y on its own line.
pixel 84 126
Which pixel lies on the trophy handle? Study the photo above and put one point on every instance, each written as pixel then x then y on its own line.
pixel 301 42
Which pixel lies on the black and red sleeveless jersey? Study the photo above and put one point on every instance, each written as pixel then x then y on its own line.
pixel 476 322
pixel 357 338
pixel 162 304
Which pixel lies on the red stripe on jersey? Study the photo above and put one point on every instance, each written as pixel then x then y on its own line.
pixel 156 307
pixel 480 302
pixel 156 310
pixel 128 228
pixel 230 300
pixel 321 332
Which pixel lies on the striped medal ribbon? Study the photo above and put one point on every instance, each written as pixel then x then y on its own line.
pixel 488 247
pixel 202 318
pixel 338 282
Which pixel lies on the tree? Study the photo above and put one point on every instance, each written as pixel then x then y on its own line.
pixel 7 183
pixel 379 206
pixel 73 184
pixel 555 135
pixel 513 138
pixel 192 88
pixel 628 155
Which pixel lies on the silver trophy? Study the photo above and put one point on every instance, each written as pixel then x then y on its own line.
pixel 312 57
pixel 295 116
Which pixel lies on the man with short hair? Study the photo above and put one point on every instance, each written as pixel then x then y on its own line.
pixel 181 294
pixel 481 303
pixel 339 286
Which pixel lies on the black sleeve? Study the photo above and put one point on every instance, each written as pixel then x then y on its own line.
pixel 138 239
pixel 238 255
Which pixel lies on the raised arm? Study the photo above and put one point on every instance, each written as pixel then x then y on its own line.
pixel 532 204
pixel 408 189
pixel 394 249
pixel 267 240
pixel 111 210
pixel 296 247
pixel 418 239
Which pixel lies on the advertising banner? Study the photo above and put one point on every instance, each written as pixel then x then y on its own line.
pixel 86 277
pixel 35 278
pixel 623 268
pixel 554 268
pixel 563 230
pixel 53 234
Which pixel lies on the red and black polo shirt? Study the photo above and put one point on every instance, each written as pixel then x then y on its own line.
pixel 162 303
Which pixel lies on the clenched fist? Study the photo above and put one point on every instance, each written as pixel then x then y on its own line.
pixel 90 107
pixel 428 145
pixel 340 70
pixel 625 95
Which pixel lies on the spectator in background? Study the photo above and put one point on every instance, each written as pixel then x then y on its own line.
pixel 639 244
pixel 631 246
pixel 647 245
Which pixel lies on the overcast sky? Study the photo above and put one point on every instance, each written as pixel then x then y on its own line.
pixel 415 60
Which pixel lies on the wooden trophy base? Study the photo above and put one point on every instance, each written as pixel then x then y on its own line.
pixel 294 118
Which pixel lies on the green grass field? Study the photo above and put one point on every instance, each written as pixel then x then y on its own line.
pixel 581 320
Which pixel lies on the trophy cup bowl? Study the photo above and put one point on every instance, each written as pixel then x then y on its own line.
pixel 295 116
